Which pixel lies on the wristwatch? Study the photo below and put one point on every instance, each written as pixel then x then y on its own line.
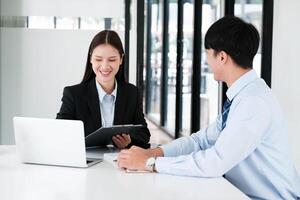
pixel 150 164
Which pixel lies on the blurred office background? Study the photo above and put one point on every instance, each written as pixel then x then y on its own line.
pixel 44 46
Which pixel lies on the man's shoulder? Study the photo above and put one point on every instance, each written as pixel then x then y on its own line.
pixel 256 89
pixel 256 95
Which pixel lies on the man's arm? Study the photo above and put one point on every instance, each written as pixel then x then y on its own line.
pixel 156 152
pixel 135 158
pixel 200 140
pixel 243 133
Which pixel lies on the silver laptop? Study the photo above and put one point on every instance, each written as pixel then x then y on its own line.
pixel 51 142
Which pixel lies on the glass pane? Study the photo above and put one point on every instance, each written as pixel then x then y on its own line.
pixel 92 23
pixel 13 21
pixel 172 56
pixel 67 22
pixel 251 11
pixel 40 22
pixel 188 31
pixel 155 72
pixel 146 15
pixel 118 24
pixel 209 87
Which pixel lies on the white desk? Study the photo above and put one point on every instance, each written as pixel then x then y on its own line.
pixel 102 181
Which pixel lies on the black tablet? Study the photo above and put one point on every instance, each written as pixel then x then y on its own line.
pixel 103 135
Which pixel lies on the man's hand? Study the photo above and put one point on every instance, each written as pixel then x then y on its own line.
pixel 121 141
pixel 133 158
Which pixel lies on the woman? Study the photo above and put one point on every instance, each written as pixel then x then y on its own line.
pixel 104 98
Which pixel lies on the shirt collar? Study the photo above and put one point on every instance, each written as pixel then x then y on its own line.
pixel 102 93
pixel 239 84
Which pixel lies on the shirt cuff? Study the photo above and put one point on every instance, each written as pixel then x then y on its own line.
pixel 162 164
pixel 168 150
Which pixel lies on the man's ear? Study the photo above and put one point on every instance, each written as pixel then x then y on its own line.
pixel 223 56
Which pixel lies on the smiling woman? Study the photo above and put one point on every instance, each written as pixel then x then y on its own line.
pixel 106 62
pixel 104 98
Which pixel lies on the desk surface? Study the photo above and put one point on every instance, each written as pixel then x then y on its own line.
pixel 101 181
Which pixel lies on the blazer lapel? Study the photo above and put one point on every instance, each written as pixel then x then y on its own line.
pixel 121 101
pixel 93 103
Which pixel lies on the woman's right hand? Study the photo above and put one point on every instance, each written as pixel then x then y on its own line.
pixel 121 141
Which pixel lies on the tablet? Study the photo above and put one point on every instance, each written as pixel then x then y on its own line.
pixel 103 135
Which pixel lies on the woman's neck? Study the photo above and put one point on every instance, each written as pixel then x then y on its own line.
pixel 108 87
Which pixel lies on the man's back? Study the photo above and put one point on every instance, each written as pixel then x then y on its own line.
pixel 252 150
pixel 269 169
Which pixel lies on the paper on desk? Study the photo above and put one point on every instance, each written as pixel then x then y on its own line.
pixel 136 171
pixel 111 158
pixel 99 152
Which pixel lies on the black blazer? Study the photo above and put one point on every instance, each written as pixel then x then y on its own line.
pixel 81 102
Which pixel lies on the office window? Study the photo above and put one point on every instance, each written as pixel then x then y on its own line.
pixel 210 93
pixel 91 23
pixel 64 23
pixel 172 61
pixel 188 36
pixel 13 21
pixel 118 24
pixel 41 22
pixel 209 90
pixel 67 23
pixel 251 11
pixel 156 58
pixel 145 86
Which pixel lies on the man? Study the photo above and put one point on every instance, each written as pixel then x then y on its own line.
pixel 248 142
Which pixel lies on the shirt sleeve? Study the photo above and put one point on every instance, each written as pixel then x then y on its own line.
pixel 246 124
pixel 200 140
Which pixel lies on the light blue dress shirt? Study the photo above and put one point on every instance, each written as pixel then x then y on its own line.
pixel 107 104
pixel 252 150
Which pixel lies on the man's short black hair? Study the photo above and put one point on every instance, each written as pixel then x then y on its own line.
pixel 234 36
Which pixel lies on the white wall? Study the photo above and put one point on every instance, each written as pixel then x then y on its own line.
pixel 286 67
pixel 88 8
pixel 35 65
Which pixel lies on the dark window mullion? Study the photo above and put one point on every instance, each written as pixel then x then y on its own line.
pixel 140 47
pixel 195 100
pixel 107 23
pixel 127 31
pixel 148 57
pixel 164 67
pixel 229 7
pixel 55 21
pixel 179 72
pixel 267 37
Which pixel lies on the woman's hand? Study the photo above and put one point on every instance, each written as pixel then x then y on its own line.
pixel 121 141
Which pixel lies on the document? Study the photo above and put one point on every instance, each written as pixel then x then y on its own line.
pixel 112 158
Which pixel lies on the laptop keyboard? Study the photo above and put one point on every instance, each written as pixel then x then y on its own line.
pixel 88 161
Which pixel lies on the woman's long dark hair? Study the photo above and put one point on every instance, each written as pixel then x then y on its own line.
pixel 105 37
